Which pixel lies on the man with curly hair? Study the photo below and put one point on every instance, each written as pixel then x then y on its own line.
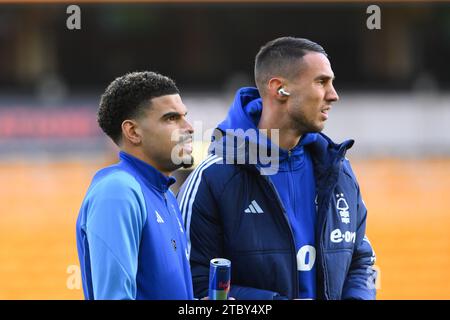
pixel 130 240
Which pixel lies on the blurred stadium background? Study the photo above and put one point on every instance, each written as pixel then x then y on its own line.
pixel 394 85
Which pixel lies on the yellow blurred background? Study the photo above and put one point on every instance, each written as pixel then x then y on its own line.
pixel 409 226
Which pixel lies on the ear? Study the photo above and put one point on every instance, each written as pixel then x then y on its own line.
pixel 273 86
pixel 131 132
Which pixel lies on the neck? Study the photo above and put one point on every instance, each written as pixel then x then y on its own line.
pixel 271 119
pixel 138 153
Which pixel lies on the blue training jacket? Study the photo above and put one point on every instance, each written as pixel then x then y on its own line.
pixel 131 243
pixel 215 204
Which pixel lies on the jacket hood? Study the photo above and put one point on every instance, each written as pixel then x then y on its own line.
pixel 245 111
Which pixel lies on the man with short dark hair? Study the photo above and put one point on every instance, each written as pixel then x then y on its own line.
pixel 296 232
pixel 131 243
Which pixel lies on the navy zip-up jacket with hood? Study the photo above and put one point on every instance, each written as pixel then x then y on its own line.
pixel 261 247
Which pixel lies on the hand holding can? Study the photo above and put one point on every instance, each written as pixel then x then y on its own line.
pixel 219 279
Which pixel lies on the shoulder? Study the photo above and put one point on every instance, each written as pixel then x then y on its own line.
pixel 115 196
pixel 212 174
pixel 213 170
pixel 114 189
pixel 113 181
pixel 347 168
pixel 208 166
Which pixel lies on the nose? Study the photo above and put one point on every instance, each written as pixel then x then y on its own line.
pixel 332 95
pixel 188 127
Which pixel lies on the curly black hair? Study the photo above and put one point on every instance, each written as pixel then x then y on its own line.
pixel 128 96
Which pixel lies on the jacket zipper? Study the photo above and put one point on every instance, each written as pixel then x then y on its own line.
pixel 173 224
pixel 322 249
pixel 321 208
pixel 291 184
pixel 286 219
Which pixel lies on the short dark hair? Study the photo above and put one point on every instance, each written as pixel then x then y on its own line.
pixel 128 96
pixel 277 57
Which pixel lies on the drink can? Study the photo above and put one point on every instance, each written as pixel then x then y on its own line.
pixel 219 279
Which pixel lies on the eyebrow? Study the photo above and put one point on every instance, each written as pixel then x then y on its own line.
pixel 324 77
pixel 171 114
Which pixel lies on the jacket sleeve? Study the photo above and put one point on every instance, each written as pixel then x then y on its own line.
pixel 204 230
pixel 361 277
pixel 114 225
